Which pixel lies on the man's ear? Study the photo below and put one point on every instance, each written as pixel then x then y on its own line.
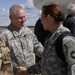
pixel 10 16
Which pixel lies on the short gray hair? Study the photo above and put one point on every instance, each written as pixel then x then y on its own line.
pixel 71 9
pixel 14 8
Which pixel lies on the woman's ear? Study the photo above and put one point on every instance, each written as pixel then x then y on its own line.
pixel 48 17
pixel 10 16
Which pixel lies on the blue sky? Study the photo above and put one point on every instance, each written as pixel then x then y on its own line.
pixel 32 14
pixel 7 3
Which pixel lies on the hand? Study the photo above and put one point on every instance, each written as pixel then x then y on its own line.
pixel 22 71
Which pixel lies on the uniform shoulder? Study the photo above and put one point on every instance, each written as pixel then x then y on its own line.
pixel 69 40
pixel 4 31
pixel 27 30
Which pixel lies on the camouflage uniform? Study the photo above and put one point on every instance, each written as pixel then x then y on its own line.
pixel 22 44
pixel 51 64
pixel 6 67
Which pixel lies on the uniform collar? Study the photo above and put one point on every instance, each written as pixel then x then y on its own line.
pixel 58 31
pixel 16 32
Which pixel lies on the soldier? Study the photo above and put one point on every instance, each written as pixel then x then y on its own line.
pixel 69 22
pixel 52 17
pixel 21 41
pixel 6 67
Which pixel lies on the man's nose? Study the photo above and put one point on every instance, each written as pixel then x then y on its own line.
pixel 24 19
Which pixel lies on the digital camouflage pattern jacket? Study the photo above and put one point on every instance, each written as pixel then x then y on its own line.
pixel 51 64
pixel 23 46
